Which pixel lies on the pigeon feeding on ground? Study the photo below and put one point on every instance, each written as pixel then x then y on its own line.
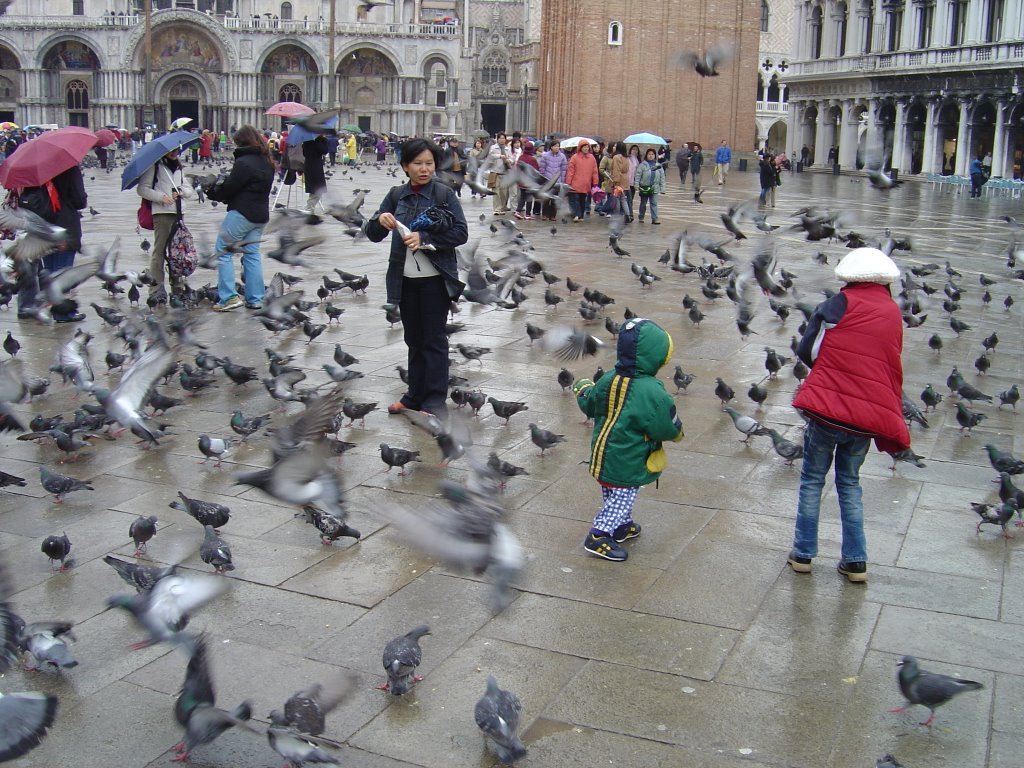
pixel 999 515
pixel 966 418
pixel 306 711
pixel 929 689
pixel 544 439
pixel 142 530
pixel 57 548
pixel 213 551
pixel 401 657
pixel 213 448
pixel 61 485
pixel 787 449
pixel 397 457
pixel 746 425
pixel 506 409
pixel 141 577
pixel 497 716
pixel 205 512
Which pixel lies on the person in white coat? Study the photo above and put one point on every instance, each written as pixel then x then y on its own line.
pixel 163 185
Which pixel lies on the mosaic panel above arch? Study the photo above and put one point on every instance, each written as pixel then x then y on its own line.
pixel 366 62
pixel 71 54
pixel 289 59
pixel 178 44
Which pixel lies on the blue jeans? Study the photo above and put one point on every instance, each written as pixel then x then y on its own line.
pixel 577 201
pixel 28 284
pixel 644 200
pixel 820 443
pixel 235 229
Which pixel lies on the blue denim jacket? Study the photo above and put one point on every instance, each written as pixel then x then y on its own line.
pixel 406 205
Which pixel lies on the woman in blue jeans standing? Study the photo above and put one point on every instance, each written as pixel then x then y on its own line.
pixel 853 394
pixel 247 194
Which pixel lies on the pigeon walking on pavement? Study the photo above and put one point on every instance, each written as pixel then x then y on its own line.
pixel 397 457
pixel 402 656
pixel 544 438
pixel 929 689
pixel 746 425
pixel 213 448
pixel 61 485
pixel 142 530
pixel 57 548
pixel 205 512
pixel 497 715
pixel 213 551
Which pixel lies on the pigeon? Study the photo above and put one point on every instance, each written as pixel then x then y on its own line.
pixel 213 551
pixel 1003 461
pixel 723 392
pixel 297 749
pixel 565 379
pixel 61 485
pixel 45 642
pixel 972 393
pixel 958 326
pixel 935 343
pixel 306 711
pixel 544 439
pixel 26 717
pixel 1009 492
pixel 746 425
pixel 301 477
pixel 533 332
pixel 930 398
pixel 912 413
pixel 1000 515
pixel 909 457
pixel 401 657
pixel 213 448
pixel 356 410
pixel 1009 397
pixel 164 610
pixel 682 380
pixel 570 343
pixel 243 426
pixel 787 449
pixel 497 716
pixel 57 548
pixel 8 479
pixel 504 468
pixel 966 418
pixel 472 353
pixel 888 761
pixel 757 393
pixel 11 345
pixel 142 530
pixel 706 64
pixel 506 409
pixel 397 457
pixel 929 689
pixel 331 528
pixel 205 512
pixel 141 577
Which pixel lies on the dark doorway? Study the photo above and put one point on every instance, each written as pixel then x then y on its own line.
pixel 186 108
pixel 6 115
pixel 364 123
pixel 492 117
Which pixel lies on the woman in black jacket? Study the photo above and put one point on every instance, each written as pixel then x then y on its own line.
pixel 247 194
pixel 314 177
pixel 422 277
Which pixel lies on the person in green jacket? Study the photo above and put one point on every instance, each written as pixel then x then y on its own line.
pixel 633 415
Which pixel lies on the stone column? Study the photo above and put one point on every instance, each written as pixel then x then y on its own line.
pixel 792 124
pixel 963 146
pixel 820 140
pixel 973 31
pixel 928 151
pixel 907 31
pixel 847 135
pixel 899 139
pixel 999 140
pixel 829 30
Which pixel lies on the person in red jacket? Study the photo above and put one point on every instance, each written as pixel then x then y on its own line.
pixel 854 391
pixel 581 176
pixel 206 148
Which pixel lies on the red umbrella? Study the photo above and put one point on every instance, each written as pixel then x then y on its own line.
pixel 39 160
pixel 289 109
pixel 105 137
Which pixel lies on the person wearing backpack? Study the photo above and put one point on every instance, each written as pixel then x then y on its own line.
pixel 163 185
pixel 650 180
pixel 246 191
pixel 58 202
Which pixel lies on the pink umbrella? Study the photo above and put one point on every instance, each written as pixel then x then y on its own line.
pixel 39 160
pixel 105 137
pixel 289 109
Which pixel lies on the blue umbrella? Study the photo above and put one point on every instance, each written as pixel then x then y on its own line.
pixel 644 138
pixel 299 135
pixel 150 154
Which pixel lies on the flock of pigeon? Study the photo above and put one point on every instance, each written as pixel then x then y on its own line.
pixel 466 526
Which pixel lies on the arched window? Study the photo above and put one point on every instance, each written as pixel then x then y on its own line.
pixel 816 32
pixel 615 33
pixel 764 15
pixel 842 17
pixel 495 69
pixel 77 94
pixel 286 11
pixel 290 92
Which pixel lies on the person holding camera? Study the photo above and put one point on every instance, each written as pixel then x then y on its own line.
pixel 163 185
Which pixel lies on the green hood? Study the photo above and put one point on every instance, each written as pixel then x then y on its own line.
pixel 643 348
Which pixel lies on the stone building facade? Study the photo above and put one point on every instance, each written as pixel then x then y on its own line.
pixel 924 84
pixel 611 69
pixel 776 25
pixel 412 66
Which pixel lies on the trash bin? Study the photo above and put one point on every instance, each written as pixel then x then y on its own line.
pixel 799 166
pixel 743 164
pixel 835 169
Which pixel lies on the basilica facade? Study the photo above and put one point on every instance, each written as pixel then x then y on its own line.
pixel 409 67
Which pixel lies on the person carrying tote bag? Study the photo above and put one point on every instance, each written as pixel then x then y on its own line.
pixel 164 187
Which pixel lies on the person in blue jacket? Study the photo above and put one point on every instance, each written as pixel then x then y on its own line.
pixel 723 156
pixel 977 173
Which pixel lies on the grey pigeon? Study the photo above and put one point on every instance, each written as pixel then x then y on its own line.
pixel 246 426
pixel 1009 397
pixel 497 716
pixel 206 722
pixel 205 512
pixel 57 548
pixel 787 449
pixel 8 479
pixel 142 530
pixel 723 392
pixel 912 413
pixel 930 397
pixel 907 455
pixel 306 711
pixel 929 689
pixel 164 610
pixel 61 485
pixel 1000 515
pixel 46 644
pixel 888 761
pixel 213 551
pixel 302 477
pixel 401 657
pixel 506 409
pixel 504 468
pixel 213 448
pixel 141 577
pixel 1003 461
pixel 966 418
pixel 544 439
pixel 296 748
pixel 746 425
pixel 565 379
pixel 397 457
pixel 1008 491
pixel 681 380
pixel 356 410
pixel 971 393
pixel 331 528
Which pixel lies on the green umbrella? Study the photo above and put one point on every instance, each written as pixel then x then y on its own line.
pixel 351 128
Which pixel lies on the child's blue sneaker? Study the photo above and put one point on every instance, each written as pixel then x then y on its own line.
pixel 604 546
pixel 626 531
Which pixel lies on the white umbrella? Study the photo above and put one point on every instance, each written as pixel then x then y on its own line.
pixel 575 142
pixel 179 123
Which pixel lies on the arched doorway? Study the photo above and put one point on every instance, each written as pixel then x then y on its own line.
pixel 69 70
pixel 946 126
pixel 810 121
pixel 886 127
pixel 369 84
pixel 776 141
pixel 983 127
pixel 184 57
pixel 9 79
pixel 183 99
pixel 290 73
pixel 917 114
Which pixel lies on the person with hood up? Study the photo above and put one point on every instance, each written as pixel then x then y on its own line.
pixel 852 344
pixel 581 176
pixel 633 415
pixel 528 159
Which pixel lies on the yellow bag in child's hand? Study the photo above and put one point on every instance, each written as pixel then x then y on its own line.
pixel 657 460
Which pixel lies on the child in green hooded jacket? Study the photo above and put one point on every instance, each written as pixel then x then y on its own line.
pixel 633 415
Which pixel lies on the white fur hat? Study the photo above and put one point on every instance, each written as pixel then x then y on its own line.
pixel 867 265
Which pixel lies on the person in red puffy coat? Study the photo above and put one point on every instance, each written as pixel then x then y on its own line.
pixel 581 176
pixel 853 394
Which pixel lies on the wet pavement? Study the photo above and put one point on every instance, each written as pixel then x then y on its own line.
pixel 704 649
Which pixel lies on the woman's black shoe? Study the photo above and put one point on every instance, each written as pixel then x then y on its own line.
pixel 74 317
